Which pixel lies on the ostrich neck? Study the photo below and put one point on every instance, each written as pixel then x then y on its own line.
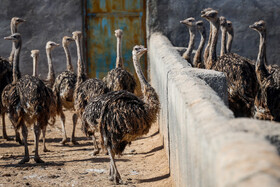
pixel 212 51
pixel 261 70
pixel 35 66
pixel 68 58
pixel 51 76
pixel 197 56
pixel 230 36
pixel 13 31
pixel 16 72
pixel 80 71
pixel 206 50
pixel 150 96
pixel 119 60
pixel 187 54
pixel 223 41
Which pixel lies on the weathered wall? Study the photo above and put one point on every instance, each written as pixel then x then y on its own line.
pixel 166 14
pixel 206 145
pixel 46 20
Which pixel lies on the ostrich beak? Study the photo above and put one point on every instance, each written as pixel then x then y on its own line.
pixel 8 38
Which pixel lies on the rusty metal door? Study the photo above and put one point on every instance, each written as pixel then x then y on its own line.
pixel 101 19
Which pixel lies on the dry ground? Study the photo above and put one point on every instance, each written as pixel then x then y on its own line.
pixel 144 163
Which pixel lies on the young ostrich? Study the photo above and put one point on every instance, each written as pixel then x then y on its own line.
pixel 267 101
pixel 28 102
pixel 52 104
pixel 121 116
pixel 197 61
pixel 240 74
pixel 85 89
pixel 190 23
pixel 6 76
pixel 64 87
pixel 118 78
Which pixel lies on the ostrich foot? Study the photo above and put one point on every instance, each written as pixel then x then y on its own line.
pixel 95 152
pixel 46 150
pixel 63 141
pixel 116 179
pixel 38 159
pixel 7 137
pixel 25 159
pixel 74 142
pixel 19 140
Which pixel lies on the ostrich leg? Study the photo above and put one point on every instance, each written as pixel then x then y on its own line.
pixel 114 174
pixel 37 132
pixel 24 138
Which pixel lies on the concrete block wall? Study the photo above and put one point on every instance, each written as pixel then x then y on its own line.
pixel 206 145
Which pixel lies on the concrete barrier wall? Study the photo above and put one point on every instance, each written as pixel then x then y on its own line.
pixel 206 145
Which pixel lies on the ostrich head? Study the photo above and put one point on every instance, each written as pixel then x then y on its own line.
pixel 66 40
pixel 189 22
pixel 77 35
pixel 34 53
pixel 16 20
pixel 51 45
pixel 206 10
pixel 229 24
pixel 199 25
pixel 223 21
pixel 118 33
pixel 14 37
pixel 258 26
pixel 138 51
pixel 211 15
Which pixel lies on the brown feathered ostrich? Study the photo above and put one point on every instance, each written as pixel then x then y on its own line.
pixel 197 60
pixel 190 23
pixel 267 101
pixel 240 74
pixel 52 98
pixel 64 87
pixel 28 102
pixel 121 116
pixel 85 89
pixel 6 76
pixel 118 78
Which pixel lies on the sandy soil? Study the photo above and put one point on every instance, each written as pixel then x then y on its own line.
pixel 144 163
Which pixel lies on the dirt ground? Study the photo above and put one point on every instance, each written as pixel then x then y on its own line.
pixel 144 163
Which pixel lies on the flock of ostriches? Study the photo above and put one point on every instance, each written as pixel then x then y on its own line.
pixel 109 106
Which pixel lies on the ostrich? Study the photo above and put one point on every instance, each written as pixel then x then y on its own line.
pixel 240 74
pixel 28 102
pixel 52 104
pixel 190 23
pixel 118 78
pixel 64 87
pixel 121 116
pixel 267 101
pixel 6 76
pixel 197 61
pixel 85 89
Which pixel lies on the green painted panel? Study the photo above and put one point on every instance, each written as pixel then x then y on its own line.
pixel 102 18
